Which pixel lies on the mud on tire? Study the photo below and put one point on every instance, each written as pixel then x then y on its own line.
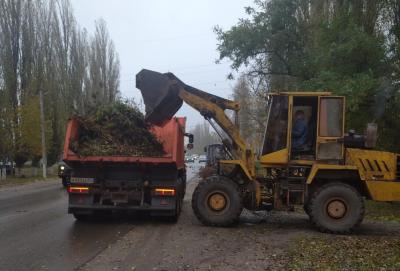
pixel 216 201
pixel 336 208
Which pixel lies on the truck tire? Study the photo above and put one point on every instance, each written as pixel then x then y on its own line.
pixel 178 209
pixel 336 208
pixel 216 201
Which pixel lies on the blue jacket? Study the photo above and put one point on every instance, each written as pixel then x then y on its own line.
pixel 299 134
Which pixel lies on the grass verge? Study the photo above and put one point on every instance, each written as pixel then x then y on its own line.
pixel 384 211
pixel 332 252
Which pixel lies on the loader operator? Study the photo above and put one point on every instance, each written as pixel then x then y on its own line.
pixel 299 132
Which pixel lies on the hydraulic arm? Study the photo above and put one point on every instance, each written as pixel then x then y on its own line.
pixel 163 95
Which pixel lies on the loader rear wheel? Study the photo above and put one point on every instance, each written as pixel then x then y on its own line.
pixel 336 208
pixel 217 202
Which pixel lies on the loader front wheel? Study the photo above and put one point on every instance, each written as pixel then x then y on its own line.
pixel 216 201
pixel 336 208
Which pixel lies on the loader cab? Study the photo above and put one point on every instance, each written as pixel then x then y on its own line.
pixel 303 127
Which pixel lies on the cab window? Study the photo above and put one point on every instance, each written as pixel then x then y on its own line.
pixel 304 127
pixel 276 130
pixel 331 117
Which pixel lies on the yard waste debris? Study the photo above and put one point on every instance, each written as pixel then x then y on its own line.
pixel 118 129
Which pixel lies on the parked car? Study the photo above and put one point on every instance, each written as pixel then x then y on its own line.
pixel 9 166
pixel 203 158
pixel 189 159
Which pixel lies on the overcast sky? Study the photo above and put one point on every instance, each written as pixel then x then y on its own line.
pixel 167 35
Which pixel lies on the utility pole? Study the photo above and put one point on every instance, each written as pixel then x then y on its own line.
pixel 43 131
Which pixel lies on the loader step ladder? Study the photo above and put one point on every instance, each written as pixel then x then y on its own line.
pixel 293 186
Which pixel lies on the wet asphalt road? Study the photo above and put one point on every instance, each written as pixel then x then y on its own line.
pixel 36 233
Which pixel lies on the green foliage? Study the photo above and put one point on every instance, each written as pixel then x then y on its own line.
pixel 30 127
pixel 383 211
pixel 21 155
pixel 30 131
pixel 359 90
pixel 270 39
pixel 340 47
pixel 6 142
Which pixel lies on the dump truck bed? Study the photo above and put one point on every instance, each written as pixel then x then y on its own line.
pixel 170 134
pixel 107 184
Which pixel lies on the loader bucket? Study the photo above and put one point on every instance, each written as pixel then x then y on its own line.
pixel 160 96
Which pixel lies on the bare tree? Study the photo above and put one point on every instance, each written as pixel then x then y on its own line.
pixel 10 45
pixel 102 82
pixel 43 52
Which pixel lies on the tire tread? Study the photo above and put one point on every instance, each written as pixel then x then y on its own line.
pixel 314 197
pixel 229 222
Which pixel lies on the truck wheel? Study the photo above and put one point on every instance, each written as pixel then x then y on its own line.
pixel 178 209
pixel 217 202
pixel 336 208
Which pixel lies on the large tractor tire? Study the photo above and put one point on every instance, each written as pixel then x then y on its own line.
pixel 216 201
pixel 336 208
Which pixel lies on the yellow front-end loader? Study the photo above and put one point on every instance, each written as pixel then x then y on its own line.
pixel 330 174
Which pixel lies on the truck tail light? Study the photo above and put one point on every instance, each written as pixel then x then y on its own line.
pixel 78 190
pixel 164 192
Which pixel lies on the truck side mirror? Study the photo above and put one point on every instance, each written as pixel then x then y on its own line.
pixel 191 137
pixel 205 149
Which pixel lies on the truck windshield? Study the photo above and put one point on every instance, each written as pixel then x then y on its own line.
pixel 275 138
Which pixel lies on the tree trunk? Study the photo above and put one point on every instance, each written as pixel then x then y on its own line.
pixel 43 131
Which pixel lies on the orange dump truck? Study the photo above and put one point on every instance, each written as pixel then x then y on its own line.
pixel 106 184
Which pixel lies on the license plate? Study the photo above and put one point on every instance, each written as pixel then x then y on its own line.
pixel 82 180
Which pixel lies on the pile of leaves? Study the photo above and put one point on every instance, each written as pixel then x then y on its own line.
pixel 346 253
pixel 384 211
pixel 117 129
